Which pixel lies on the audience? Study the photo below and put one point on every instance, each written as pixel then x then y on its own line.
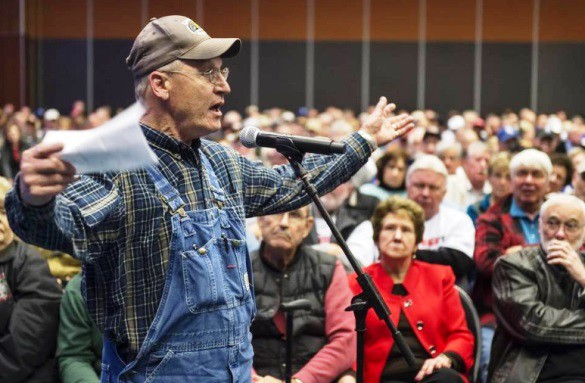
pixel 506 219
pixel 435 329
pixel 79 342
pixel 562 172
pixel 472 184
pixel 538 301
pixel 505 229
pixel 390 176
pixel 284 271
pixel 449 234
pixel 29 309
pixel 499 179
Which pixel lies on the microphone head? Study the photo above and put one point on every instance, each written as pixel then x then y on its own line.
pixel 248 136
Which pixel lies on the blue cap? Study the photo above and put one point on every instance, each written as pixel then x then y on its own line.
pixel 507 133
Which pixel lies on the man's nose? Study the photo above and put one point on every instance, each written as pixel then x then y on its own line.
pixel 222 85
pixel 284 220
pixel 560 234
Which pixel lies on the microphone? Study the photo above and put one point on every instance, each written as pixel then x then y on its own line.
pixel 251 137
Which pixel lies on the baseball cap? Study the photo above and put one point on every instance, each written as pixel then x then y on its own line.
pixel 456 122
pixel 51 115
pixel 174 37
pixel 507 133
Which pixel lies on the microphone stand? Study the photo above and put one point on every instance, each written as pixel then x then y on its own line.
pixel 370 296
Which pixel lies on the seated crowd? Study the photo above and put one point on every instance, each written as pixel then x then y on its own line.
pixel 492 207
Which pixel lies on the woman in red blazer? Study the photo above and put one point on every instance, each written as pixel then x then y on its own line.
pixel 423 301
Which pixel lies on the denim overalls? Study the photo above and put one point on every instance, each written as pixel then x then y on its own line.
pixel 201 330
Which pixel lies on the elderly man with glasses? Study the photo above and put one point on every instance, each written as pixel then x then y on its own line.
pixel 539 301
pixel 166 269
pixel 286 270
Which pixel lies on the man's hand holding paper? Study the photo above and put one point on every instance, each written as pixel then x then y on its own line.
pixel 47 168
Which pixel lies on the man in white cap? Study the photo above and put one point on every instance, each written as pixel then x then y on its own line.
pixel 166 269
pixel 50 121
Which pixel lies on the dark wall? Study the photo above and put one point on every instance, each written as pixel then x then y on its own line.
pixel 56 30
pixel 112 80
pixel 561 76
pixel 506 75
pixel 506 71
pixel 282 74
pixel 62 76
pixel 393 73
pixel 449 76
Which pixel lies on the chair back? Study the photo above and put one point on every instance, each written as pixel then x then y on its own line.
pixel 475 328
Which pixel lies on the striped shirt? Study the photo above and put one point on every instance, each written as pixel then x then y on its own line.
pixel 116 224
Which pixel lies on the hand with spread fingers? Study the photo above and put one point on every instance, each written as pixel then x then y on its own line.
pixel 431 365
pixel 383 126
pixel 43 174
pixel 563 254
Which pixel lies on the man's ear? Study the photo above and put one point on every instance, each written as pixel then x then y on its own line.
pixel 159 84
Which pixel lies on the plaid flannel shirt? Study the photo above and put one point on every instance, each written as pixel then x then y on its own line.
pixel 115 222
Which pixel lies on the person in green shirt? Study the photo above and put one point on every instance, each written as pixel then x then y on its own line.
pixel 79 342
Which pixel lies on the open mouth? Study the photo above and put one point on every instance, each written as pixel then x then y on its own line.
pixel 216 107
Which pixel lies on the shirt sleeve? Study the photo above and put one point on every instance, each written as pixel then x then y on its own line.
pixel 270 191
pixel 63 224
pixel 338 354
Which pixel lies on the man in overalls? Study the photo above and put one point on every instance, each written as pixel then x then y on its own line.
pixel 165 263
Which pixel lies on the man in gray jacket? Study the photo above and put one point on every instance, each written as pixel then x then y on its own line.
pixel 539 301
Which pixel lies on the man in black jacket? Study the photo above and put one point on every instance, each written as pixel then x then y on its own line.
pixel 29 309
pixel 539 302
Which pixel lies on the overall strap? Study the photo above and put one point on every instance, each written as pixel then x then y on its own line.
pixel 169 195
pixel 216 190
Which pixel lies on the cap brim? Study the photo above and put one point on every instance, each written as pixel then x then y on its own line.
pixel 213 47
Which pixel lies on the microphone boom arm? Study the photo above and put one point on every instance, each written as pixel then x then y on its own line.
pixel 370 296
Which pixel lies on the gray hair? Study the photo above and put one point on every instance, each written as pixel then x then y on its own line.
pixel 476 147
pixel 427 162
pixel 531 158
pixel 141 83
pixel 562 199
pixel 443 146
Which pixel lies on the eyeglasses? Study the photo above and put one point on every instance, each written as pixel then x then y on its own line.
pixel 570 227
pixel 213 75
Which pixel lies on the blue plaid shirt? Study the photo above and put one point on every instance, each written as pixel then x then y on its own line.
pixel 116 224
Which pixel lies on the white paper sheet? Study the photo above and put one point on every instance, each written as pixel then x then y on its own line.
pixel 117 145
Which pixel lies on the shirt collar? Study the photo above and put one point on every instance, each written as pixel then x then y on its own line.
pixel 516 211
pixel 167 143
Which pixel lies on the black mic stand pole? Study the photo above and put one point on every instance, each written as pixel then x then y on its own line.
pixel 370 296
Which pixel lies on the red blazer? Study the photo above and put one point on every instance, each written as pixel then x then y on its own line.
pixel 432 307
